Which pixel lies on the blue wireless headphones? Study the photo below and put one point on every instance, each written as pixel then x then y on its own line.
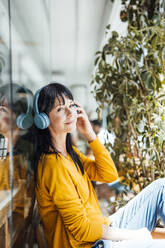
pixel 25 120
pixel 41 120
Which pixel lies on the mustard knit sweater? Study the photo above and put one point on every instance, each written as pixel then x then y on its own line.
pixel 67 202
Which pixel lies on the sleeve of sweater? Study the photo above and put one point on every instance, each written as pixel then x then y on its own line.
pixel 101 169
pixel 62 189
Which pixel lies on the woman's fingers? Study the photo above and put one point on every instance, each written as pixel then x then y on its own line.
pixel 79 107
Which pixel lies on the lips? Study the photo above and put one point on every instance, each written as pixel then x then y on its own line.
pixel 70 122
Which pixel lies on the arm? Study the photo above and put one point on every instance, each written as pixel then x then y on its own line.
pixel 63 191
pixel 117 234
pixel 102 168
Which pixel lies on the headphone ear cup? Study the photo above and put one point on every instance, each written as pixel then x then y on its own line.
pixel 24 121
pixel 41 121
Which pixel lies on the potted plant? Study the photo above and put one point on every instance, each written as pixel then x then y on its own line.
pixel 129 78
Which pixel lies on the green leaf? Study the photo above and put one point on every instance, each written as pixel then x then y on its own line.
pixel 97 78
pixel 163 53
pixel 147 79
pixel 163 81
pixel 96 60
pixel 161 97
pixel 154 41
pixel 115 34
pixel 98 52
pixel 108 26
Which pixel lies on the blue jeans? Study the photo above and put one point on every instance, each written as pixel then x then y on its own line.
pixel 141 211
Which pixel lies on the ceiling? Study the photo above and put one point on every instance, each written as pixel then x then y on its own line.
pixel 57 39
pixel 62 36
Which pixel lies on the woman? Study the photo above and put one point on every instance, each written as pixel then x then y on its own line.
pixel 66 199
pixel 19 176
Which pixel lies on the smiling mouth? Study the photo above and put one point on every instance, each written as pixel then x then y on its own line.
pixel 69 122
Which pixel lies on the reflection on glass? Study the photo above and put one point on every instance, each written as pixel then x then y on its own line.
pixel 22 180
pixel 3 147
pixel 24 57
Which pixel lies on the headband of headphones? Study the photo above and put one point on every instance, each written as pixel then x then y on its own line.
pixel 25 120
pixel 41 120
pixel 36 97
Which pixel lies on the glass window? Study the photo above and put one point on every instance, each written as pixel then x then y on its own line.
pixel 24 52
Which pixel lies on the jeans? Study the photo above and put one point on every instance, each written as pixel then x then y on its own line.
pixel 141 211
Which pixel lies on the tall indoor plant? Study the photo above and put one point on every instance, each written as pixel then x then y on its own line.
pixel 129 79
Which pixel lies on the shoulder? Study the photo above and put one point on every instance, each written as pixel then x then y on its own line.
pixel 81 156
pixel 50 165
pixel 54 171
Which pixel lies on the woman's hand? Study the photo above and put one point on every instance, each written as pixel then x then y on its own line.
pixel 117 234
pixel 84 125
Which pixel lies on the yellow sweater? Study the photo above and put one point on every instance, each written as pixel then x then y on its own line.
pixel 67 202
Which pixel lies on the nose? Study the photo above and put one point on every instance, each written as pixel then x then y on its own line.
pixel 68 111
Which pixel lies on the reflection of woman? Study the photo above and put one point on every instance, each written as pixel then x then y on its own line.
pixel 19 142
pixel 20 111
pixel 67 202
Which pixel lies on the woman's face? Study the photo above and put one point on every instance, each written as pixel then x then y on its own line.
pixel 5 114
pixel 63 116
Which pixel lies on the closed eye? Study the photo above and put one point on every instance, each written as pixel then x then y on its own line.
pixel 2 109
pixel 59 109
